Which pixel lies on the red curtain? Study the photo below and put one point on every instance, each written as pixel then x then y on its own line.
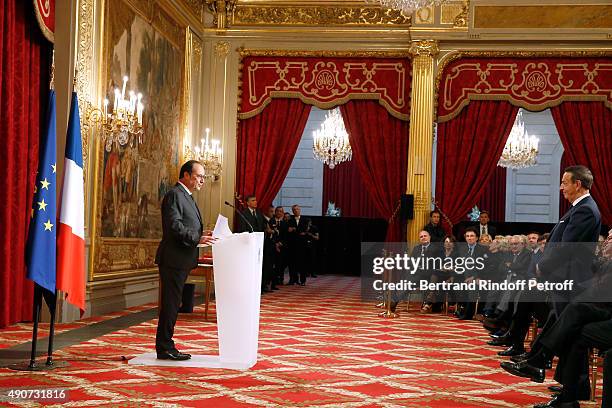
pixel 469 147
pixel 380 150
pixel 585 129
pixel 344 186
pixel 23 69
pixel 493 198
pixel 266 146
pixel 564 205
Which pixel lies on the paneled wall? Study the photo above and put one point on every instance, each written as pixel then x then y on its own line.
pixel 532 194
pixel 304 182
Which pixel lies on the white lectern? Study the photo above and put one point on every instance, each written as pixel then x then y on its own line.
pixel 237 263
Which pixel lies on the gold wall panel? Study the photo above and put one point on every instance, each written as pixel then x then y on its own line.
pixel 543 17
pixel 450 11
pixel 251 15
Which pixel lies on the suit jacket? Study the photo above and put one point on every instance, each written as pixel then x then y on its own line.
pixel 491 229
pixel 294 238
pixel 436 232
pixel 519 265
pixel 480 251
pixel 433 250
pixel 257 221
pixel 570 248
pixel 181 230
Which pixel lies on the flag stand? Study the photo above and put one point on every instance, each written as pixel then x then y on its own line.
pixel 32 365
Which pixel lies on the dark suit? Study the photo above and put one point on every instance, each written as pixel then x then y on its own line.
pixel 436 232
pixel 281 253
pixel 570 248
pixel 176 256
pixel 491 230
pixel 469 304
pixel 257 221
pixel 297 249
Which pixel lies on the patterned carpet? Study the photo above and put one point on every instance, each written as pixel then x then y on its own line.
pixel 319 346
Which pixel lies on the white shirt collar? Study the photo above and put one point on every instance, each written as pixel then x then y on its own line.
pixel 579 199
pixel 185 187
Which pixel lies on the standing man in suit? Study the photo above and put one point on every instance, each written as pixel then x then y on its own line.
pixel 572 242
pixel 177 253
pixel 253 216
pixel 296 229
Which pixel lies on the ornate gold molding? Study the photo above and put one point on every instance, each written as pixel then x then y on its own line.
pixel 317 15
pixel 196 7
pixel 84 71
pixel 222 49
pixel 425 47
pixel 461 20
pixel 244 52
pixel 223 12
pixel 543 16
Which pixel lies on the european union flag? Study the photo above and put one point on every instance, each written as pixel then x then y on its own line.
pixel 40 255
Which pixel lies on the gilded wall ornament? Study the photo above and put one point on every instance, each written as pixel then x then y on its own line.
pixel 223 12
pixel 425 47
pixel 222 49
pixel 249 15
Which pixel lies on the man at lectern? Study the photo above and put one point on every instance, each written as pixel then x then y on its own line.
pixel 177 253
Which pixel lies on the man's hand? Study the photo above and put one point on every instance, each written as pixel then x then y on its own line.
pixel 290 229
pixel 207 239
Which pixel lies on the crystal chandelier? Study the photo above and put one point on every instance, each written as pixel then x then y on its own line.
pixel 521 149
pixel 331 143
pixel 407 6
pixel 123 123
pixel 209 153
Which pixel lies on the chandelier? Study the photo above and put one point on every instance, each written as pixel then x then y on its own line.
pixel 209 153
pixel 407 6
pixel 521 149
pixel 123 123
pixel 331 143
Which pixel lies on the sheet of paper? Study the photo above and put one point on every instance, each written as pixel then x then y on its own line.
pixel 222 229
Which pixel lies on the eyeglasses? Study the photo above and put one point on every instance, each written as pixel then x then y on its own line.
pixel 200 176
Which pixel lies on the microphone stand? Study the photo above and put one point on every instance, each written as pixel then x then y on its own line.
pixel 241 216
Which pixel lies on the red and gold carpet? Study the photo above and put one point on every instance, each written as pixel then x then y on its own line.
pixel 319 346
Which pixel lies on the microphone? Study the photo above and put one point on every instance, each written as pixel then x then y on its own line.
pixel 241 216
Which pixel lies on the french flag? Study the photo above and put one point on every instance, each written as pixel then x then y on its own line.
pixel 71 231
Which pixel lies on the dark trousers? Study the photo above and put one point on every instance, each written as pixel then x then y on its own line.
pixel 280 263
pixel 267 270
pixel 567 327
pixel 297 268
pixel 172 283
pixel 573 368
pixel 521 320
pixel 606 399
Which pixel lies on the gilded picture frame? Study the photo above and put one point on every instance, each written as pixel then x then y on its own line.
pixel 147 42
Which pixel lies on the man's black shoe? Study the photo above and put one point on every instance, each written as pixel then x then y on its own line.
pixel 513 350
pixel 555 388
pixel 556 402
pixel 173 355
pixel 273 287
pixel 521 357
pixel 500 341
pixel 524 370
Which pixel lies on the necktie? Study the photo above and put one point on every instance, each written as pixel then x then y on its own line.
pixel 471 251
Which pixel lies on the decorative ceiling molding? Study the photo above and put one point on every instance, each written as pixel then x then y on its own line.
pixel 317 15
